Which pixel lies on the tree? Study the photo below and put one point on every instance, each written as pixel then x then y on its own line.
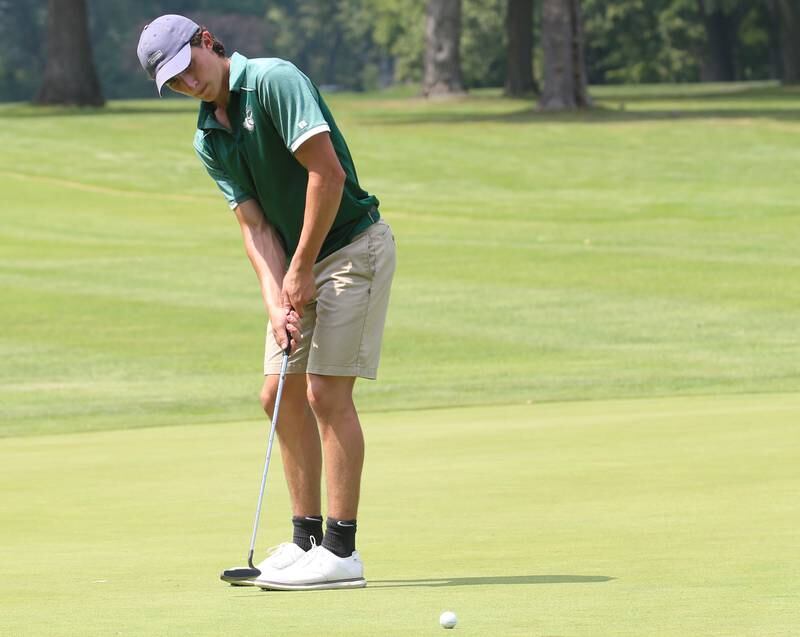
pixel 519 31
pixel 69 75
pixel 772 25
pixel 721 24
pixel 787 15
pixel 442 41
pixel 563 52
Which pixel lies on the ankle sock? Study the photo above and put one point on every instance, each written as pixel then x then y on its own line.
pixel 340 537
pixel 306 527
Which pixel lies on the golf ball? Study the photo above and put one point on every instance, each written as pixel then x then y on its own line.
pixel 448 619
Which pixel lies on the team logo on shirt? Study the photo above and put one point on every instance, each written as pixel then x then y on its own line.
pixel 249 123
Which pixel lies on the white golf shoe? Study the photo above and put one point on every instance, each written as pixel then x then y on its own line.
pixel 319 569
pixel 280 557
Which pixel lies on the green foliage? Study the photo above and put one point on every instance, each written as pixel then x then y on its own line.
pixel 22 54
pixel 366 44
pixel 399 32
pixel 642 40
pixel 355 43
pixel 753 43
pixel 725 6
pixel 638 41
pixel 483 42
pixel 331 42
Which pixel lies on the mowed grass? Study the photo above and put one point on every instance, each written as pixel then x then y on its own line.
pixel 586 421
pixel 640 517
pixel 619 253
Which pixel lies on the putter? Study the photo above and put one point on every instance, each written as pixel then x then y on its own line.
pixel 244 573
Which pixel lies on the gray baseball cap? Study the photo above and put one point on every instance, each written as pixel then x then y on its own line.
pixel 164 50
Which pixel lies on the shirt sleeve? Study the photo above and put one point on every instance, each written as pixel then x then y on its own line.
pixel 290 99
pixel 232 192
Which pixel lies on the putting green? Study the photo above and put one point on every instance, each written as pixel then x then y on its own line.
pixel 642 517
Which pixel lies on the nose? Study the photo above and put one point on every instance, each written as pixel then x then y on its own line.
pixel 185 80
pixel 189 80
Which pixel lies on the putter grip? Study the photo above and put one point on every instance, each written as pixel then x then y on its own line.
pixel 288 349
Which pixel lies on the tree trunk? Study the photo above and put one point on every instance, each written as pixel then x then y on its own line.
pixel 564 59
pixel 772 20
pixel 718 62
pixel 69 75
pixel 442 41
pixel 788 17
pixel 519 29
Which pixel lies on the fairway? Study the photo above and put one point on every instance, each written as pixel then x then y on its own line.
pixel 658 517
pixel 586 418
pixel 609 254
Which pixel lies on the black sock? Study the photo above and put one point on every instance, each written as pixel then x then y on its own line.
pixel 306 527
pixel 340 537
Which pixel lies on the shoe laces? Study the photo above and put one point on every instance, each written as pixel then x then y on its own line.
pixel 311 556
pixel 278 547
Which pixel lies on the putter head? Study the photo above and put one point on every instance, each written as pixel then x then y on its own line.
pixel 238 575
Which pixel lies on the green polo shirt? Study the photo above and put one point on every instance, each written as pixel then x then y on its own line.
pixel 273 109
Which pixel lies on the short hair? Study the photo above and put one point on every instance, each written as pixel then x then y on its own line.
pixel 217 46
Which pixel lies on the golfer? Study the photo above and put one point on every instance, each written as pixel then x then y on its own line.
pixel 324 260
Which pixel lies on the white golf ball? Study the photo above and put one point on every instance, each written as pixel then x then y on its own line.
pixel 448 619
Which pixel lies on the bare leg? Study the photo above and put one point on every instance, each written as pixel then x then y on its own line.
pixel 299 441
pixel 331 398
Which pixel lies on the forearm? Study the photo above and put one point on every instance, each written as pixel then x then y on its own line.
pixel 266 254
pixel 323 197
pixel 269 262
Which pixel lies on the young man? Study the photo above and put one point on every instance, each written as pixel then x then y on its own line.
pixel 324 260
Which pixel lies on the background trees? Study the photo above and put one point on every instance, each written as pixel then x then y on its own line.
pixel 69 75
pixel 22 54
pixel 720 21
pixel 442 48
pixel 785 19
pixel 366 44
pixel 564 73
pixel 519 32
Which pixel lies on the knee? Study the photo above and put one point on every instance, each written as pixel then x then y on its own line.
pixel 267 397
pixel 327 399
pixel 293 399
pixel 316 397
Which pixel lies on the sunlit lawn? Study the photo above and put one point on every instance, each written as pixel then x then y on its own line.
pixel 609 298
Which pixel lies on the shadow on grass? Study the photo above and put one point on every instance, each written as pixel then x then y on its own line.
pixel 597 115
pixel 168 107
pixel 615 105
pixel 704 92
pixel 514 580
pixel 489 581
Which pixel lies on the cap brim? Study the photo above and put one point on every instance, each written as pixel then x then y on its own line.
pixel 177 64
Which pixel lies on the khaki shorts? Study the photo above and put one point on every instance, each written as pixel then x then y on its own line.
pixel 343 327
